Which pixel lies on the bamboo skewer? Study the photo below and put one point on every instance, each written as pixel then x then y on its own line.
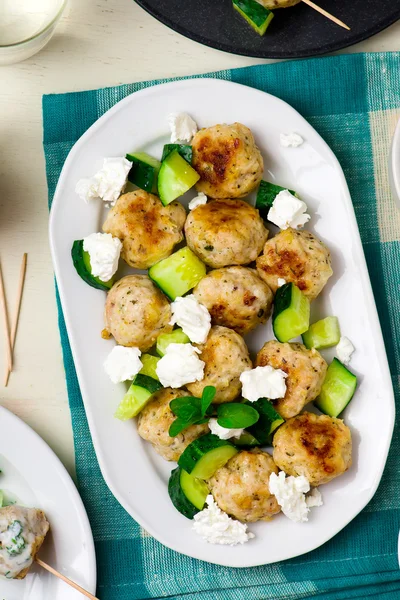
pixel 65 579
pixel 326 14
pixel 17 311
pixel 5 319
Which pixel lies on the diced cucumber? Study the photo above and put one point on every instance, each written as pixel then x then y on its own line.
pixel 255 14
pixel 203 457
pixel 337 390
pixel 165 339
pixel 175 178
pixel 188 494
pixel 291 315
pixel 184 150
pixel 144 171
pixel 268 422
pixel 267 192
pixel 246 440
pixel 81 260
pixel 178 273
pixel 149 363
pixel 136 398
pixel 322 334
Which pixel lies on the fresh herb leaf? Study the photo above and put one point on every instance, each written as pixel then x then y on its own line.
pixel 178 426
pixel 207 397
pixel 236 416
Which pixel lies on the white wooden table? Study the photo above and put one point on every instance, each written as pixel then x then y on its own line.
pixel 98 43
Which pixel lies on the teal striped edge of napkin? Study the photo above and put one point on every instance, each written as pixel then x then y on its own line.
pixel 353 101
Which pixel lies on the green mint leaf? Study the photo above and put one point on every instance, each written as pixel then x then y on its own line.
pixel 236 415
pixel 206 398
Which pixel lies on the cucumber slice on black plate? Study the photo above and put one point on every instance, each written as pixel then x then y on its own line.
pixel 81 260
pixel 184 150
pixel 178 273
pixel 256 15
pixel 136 398
pixel 337 390
pixel 203 457
pixel 188 494
pixel 291 316
pixel 144 171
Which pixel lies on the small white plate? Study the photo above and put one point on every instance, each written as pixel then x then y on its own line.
pixel 33 474
pixel 135 474
pixel 394 165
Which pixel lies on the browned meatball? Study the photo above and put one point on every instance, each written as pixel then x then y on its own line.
pixel 306 370
pixel 298 257
pixel 225 232
pixel 235 297
pixel 228 161
pixel 147 229
pixel 241 487
pixel 318 447
pixel 137 312
pixel 226 356
pixel 155 420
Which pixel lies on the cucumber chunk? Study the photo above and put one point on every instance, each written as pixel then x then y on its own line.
pixel 136 398
pixel 268 422
pixel 184 150
pixel 256 15
pixel 337 390
pixel 149 363
pixel 267 192
pixel 203 457
pixel 188 494
pixel 178 273
pixel 81 260
pixel 175 178
pixel 291 315
pixel 246 440
pixel 322 334
pixel 144 171
pixel 165 339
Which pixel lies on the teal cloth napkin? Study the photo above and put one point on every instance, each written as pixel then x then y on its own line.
pixel 353 102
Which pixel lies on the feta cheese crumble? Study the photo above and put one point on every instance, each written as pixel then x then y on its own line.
pixel 192 317
pixel 290 140
pixel 108 183
pixel 122 364
pixel 263 382
pixel 216 527
pixel 180 365
pixel 182 126
pixel 288 211
pixel 223 432
pixel 104 251
pixel 200 199
pixel 344 350
pixel 290 493
pixel 281 281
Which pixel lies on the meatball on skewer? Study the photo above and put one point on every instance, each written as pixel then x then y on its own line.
pixel 318 447
pixel 226 356
pixel 147 229
pixel 136 312
pixel 235 297
pixel 298 257
pixel 306 370
pixel 155 420
pixel 225 232
pixel 241 487
pixel 228 161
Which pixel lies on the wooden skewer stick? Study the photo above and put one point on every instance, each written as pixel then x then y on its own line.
pixel 65 579
pixel 17 311
pixel 326 14
pixel 5 319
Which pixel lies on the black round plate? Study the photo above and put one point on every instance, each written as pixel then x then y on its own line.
pixel 293 33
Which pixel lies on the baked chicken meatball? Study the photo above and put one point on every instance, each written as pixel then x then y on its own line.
pixel 226 356
pixel 298 257
pixel 225 232
pixel 136 312
pixel 155 420
pixel 228 161
pixel 241 487
pixel 316 446
pixel 235 297
pixel 147 229
pixel 306 370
